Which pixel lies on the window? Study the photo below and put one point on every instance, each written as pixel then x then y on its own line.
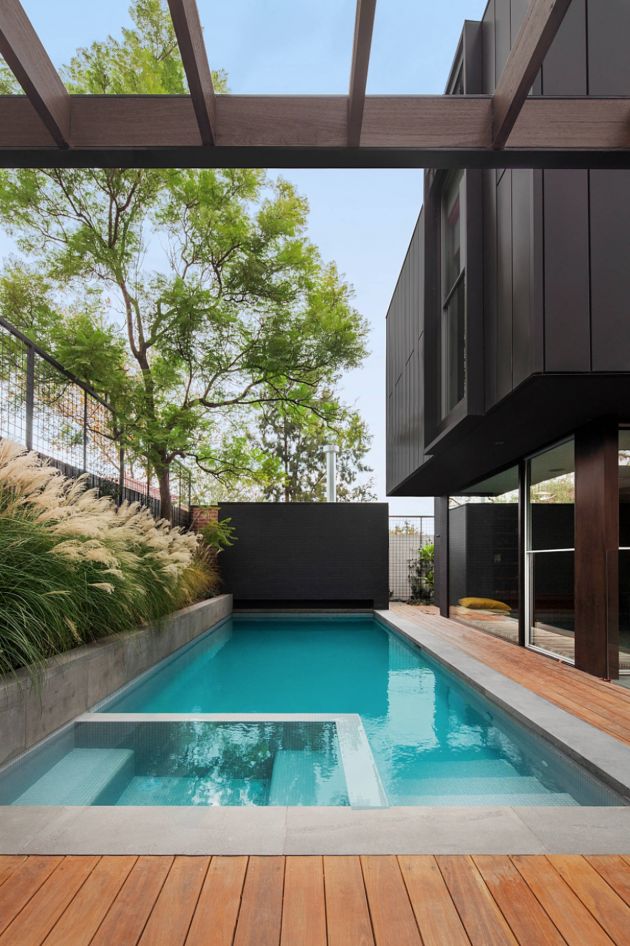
pixel 453 319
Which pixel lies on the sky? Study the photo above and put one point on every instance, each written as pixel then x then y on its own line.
pixel 362 219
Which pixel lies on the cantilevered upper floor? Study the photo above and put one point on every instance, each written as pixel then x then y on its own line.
pixel 510 323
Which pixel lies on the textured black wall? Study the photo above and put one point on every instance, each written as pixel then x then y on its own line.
pixel 405 365
pixel 307 554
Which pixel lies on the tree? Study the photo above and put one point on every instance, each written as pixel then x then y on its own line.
pixel 296 438
pixel 240 312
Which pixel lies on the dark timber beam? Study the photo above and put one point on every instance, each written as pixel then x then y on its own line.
pixel 450 131
pixel 534 38
pixel 363 28
pixel 28 60
pixel 192 47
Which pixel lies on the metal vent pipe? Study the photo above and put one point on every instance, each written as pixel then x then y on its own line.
pixel 331 450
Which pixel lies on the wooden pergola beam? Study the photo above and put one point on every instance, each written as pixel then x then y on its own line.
pixel 187 24
pixel 363 29
pixel 28 60
pixel 537 32
pixel 311 131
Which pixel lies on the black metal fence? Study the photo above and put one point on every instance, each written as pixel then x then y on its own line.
pixel 411 541
pixel 49 410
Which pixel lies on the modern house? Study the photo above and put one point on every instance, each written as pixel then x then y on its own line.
pixel 508 367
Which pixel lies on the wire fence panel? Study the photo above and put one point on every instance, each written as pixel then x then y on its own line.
pixel 411 571
pixel 13 370
pixel 45 408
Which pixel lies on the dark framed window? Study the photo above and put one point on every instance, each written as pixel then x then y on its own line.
pixel 453 316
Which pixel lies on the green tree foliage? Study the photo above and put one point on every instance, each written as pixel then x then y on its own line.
pixel 241 313
pixel 295 437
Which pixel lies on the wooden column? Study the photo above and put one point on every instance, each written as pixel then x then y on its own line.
pixel 597 549
pixel 441 553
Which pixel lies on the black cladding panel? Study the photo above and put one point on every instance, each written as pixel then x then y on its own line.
pixel 307 554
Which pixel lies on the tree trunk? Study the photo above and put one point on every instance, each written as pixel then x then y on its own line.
pixel 164 481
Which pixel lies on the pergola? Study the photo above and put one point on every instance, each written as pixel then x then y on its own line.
pixel 49 127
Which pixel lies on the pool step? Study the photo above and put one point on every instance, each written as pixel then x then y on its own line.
pixel 82 777
pixel 182 790
pixel 455 769
pixel 475 786
pixel 303 777
pixel 513 800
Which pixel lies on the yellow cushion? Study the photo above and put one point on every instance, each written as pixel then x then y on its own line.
pixel 487 604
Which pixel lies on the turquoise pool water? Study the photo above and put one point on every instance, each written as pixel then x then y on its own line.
pixel 435 741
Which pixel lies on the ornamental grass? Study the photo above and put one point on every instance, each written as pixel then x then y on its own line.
pixel 74 567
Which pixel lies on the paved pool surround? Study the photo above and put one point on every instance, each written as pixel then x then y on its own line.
pixel 74 682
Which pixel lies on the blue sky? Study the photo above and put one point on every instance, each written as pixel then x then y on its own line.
pixel 361 219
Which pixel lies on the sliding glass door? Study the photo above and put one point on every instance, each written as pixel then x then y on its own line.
pixel 550 551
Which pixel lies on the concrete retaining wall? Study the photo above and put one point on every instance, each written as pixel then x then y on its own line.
pixel 72 683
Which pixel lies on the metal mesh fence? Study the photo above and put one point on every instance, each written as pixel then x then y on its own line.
pixel 12 387
pixel 47 409
pixel 411 568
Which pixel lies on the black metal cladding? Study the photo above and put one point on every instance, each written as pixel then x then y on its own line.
pixel 553 316
pixel 405 365
pixel 307 555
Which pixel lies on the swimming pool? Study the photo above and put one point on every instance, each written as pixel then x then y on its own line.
pixel 301 710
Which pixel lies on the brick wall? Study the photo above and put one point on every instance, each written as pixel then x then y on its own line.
pixel 201 516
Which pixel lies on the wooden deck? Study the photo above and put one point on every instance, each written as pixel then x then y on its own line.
pixel 603 705
pixel 315 901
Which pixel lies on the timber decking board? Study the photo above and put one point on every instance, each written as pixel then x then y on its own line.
pixel 215 918
pixel 615 871
pixel 600 703
pixel 393 919
pixel 346 903
pixel 431 901
pixel 597 896
pixel 80 921
pixel 260 918
pixel 129 912
pixel 480 914
pixel 304 905
pixel 16 892
pixel 575 922
pixel 172 914
pixel 36 919
pixel 524 914
pixel 524 900
pixel 8 864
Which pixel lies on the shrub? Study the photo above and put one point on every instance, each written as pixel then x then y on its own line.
pixel 219 534
pixel 74 567
pixel 422 575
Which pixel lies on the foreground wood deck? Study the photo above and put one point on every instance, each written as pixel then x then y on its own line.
pixel 315 901
pixel 603 705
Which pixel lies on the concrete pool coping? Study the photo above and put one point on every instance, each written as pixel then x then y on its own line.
pixel 393 830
